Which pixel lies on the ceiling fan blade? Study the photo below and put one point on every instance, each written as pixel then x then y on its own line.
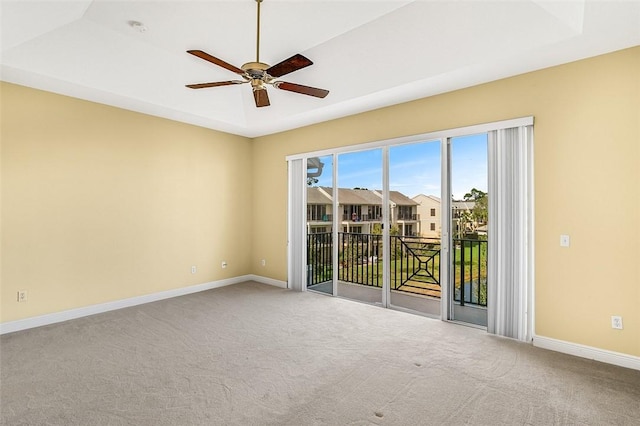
pixel 299 88
pixel 261 97
pixel 294 63
pixel 215 84
pixel 203 55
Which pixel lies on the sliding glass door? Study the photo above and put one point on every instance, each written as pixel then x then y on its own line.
pixel 415 231
pixel 376 230
pixel 352 224
pixel 469 228
pixel 360 225
pixel 319 224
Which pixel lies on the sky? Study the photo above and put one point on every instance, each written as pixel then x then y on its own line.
pixel 414 169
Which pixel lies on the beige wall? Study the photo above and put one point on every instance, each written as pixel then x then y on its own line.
pixel 101 204
pixel 587 144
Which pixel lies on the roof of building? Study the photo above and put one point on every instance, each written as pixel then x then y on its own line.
pixel 355 196
pixel 463 205
pixel 401 200
pixel 316 196
pixel 432 197
pixel 367 197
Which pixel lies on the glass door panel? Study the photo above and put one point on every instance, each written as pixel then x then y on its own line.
pixel 359 193
pixel 415 232
pixel 320 224
pixel 469 227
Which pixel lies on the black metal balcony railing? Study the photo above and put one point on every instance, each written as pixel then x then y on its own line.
pixel 359 258
pixel 414 266
pixel 319 218
pixel 374 218
pixel 470 271
pixel 361 218
pixel 408 216
pixel 319 258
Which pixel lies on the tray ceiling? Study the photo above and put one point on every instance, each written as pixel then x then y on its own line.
pixel 369 54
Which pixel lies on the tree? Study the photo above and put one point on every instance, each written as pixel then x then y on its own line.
pixel 466 223
pixel 377 229
pixel 480 211
pixel 474 195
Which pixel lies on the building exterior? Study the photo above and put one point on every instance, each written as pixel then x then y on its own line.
pixel 429 211
pixel 319 214
pixel 463 222
pixel 360 210
pixel 404 214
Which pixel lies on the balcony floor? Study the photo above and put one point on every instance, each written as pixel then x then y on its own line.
pixel 424 298
pixel 422 288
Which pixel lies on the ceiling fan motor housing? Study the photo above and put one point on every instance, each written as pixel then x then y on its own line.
pixel 256 70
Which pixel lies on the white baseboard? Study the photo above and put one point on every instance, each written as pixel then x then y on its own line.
pixel 583 351
pixel 23 324
pixel 269 281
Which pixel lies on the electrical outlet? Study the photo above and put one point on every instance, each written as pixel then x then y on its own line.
pixel 616 322
pixel 263 262
pixel 22 295
pixel 224 264
pixel 565 241
pixel 194 269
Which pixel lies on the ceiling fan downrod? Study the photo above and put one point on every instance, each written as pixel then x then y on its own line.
pixel 258 32
pixel 255 71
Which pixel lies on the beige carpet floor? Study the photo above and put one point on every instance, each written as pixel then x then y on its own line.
pixel 251 354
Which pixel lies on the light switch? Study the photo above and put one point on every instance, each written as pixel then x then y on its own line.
pixel 564 241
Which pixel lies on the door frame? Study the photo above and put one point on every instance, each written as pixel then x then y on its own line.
pixel 297 196
pixel 457 311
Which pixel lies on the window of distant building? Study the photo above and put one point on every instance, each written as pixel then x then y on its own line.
pixel 432 226
pixel 408 231
pixel 375 213
pixel 317 212
pixel 433 213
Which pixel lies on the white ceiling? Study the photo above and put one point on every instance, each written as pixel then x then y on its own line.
pixel 369 54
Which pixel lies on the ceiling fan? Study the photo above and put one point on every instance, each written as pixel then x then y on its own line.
pixel 260 74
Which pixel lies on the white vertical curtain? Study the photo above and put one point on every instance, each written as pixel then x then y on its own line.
pixel 297 233
pixel 509 304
